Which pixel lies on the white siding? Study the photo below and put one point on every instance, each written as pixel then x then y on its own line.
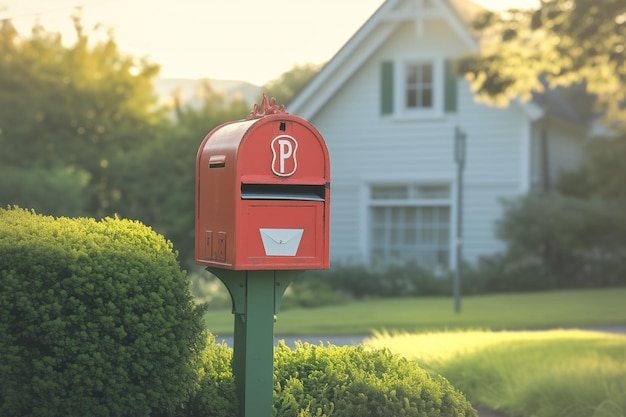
pixel 366 147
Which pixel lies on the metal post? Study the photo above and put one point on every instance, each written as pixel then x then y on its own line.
pixel 256 298
pixel 459 156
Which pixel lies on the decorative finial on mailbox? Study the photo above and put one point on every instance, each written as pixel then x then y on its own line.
pixel 266 108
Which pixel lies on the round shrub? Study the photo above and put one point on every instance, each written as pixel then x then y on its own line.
pixel 356 382
pixel 333 381
pixel 96 318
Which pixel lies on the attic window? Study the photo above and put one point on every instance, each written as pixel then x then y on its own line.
pixel 419 86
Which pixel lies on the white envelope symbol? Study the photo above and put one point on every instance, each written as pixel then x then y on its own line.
pixel 281 242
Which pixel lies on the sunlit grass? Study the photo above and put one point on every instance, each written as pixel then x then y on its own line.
pixel 568 373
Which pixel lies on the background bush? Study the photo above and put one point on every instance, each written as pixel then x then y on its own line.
pixel 361 281
pixel 58 191
pixel 333 381
pixel 575 243
pixel 96 318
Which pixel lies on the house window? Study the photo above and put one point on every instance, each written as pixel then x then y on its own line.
pixel 410 224
pixel 419 87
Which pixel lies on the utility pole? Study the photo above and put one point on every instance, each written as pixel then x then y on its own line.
pixel 459 155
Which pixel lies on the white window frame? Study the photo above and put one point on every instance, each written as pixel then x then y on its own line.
pixel 409 202
pixel 401 111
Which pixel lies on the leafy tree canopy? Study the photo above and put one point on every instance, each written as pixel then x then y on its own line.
pixel 565 42
pixel 156 183
pixel 285 87
pixel 76 105
pixel 70 109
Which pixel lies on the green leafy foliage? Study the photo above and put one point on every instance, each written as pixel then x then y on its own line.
pixel 57 191
pixel 578 243
pixel 75 107
pixel 564 41
pixel 311 292
pixel 506 272
pixel 354 382
pixel 215 394
pixel 285 87
pixel 82 132
pixel 604 173
pixel 327 381
pixel 156 184
pixel 96 319
pixel 361 281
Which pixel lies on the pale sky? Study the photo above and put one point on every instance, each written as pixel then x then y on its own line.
pixel 249 40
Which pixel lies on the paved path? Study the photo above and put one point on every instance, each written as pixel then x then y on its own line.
pixel 358 339
pixel 314 340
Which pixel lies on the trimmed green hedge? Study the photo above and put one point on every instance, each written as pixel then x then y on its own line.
pixel 96 318
pixel 330 381
pixel 348 381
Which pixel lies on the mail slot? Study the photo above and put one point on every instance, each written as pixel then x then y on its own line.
pixel 262 194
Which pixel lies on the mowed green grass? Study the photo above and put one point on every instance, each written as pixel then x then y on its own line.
pixel 554 373
pixel 575 308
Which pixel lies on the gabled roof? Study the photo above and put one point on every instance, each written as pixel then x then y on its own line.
pixel 370 37
pixel 573 104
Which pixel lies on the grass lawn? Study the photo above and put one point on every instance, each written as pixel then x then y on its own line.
pixel 555 373
pixel 575 308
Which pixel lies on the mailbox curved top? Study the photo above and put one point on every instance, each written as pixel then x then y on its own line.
pixel 274 149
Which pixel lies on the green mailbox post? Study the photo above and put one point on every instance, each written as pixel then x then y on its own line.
pixel 262 217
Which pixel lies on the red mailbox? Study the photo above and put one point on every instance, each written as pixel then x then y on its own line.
pixel 262 194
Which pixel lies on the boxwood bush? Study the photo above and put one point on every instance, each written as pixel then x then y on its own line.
pixel 346 381
pixel 354 382
pixel 96 319
pixel 215 394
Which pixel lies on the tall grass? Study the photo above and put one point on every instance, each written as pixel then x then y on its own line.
pixel 559 373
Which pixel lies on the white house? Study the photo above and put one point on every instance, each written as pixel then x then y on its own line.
pixel 388 105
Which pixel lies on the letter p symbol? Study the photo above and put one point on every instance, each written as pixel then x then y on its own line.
pixel 284 162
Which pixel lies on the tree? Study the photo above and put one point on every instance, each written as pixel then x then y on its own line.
pixel 156 184
pixel 79 106
pixel 603 174
pixel 564 42
pixel 285 87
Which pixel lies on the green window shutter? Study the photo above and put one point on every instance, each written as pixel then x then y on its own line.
pixel 386 87
pixel 450 93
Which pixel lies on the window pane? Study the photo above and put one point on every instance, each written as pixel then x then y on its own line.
pixel 427 73
pixel 427 97
pixel 410 233
pixel 428 214
pixel 387 192
pixel 419 85
pixel 411 98
pixel 411 215
pixel 397 215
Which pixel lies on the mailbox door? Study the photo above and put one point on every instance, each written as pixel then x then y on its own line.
pixel 283 235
